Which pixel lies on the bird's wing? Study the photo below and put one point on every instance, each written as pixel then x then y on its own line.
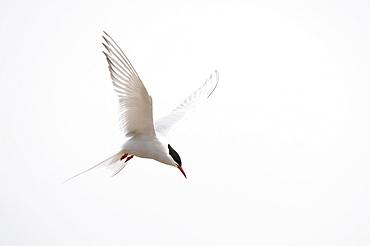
pixel 189 106
pixel 135 104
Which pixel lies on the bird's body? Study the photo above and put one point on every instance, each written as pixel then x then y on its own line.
pixel 145 138
pixel 148 147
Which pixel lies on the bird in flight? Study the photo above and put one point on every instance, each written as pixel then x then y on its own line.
pixel 146 139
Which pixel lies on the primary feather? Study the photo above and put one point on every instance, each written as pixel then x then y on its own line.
pixel 135 104
pixel 165 125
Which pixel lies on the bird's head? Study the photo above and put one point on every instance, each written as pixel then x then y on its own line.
pixel 175 156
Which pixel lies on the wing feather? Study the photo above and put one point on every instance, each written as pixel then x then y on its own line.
pixel 189 106
pixel 135 104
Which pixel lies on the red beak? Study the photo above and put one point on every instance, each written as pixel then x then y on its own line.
pixel 182 170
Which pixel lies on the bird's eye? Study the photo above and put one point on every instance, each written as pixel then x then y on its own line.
pixel 174 155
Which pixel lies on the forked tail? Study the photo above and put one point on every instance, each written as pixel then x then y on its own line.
pixel 115 163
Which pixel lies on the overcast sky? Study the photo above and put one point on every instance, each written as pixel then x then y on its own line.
pixel 279 155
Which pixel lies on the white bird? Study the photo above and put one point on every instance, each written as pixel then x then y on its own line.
pixel 145 139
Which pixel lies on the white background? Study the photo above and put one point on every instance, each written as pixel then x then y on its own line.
pixel 278 156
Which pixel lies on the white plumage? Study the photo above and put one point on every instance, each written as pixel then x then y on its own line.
pixel 145 139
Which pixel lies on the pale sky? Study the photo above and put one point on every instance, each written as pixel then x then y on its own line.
pixel 279 155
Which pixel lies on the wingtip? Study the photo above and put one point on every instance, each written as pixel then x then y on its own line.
pixel 216 83
pixel 217 77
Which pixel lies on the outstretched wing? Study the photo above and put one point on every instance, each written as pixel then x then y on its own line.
pixel 135 104
pixel 189 106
